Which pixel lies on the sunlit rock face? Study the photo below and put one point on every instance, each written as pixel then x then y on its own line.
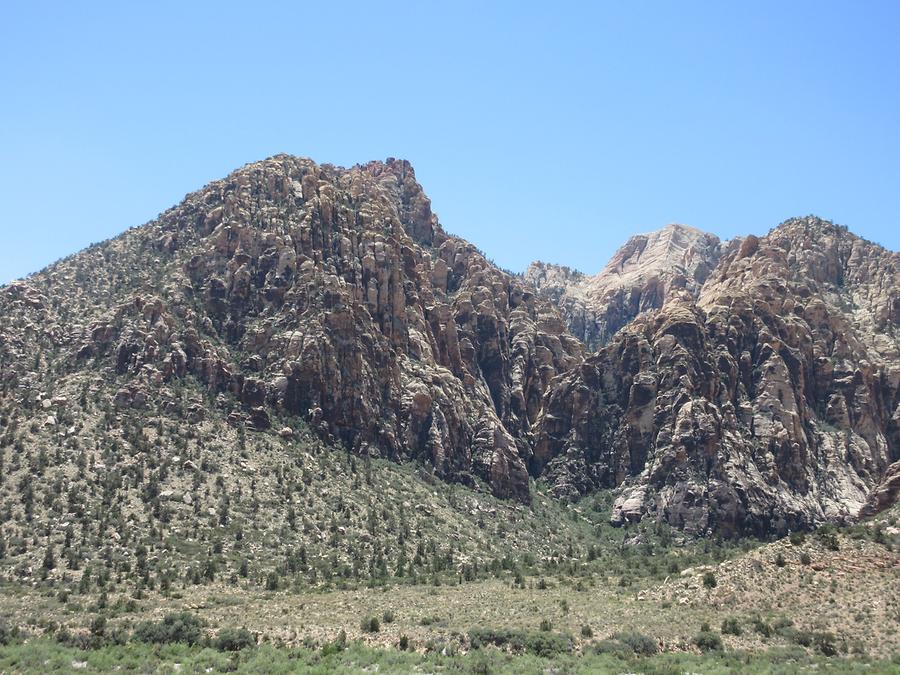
pixel 767 400
pixel 637 278
pixel 290 288
pixel 746 386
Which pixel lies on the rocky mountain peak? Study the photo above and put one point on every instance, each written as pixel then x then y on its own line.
pixel 291 290
pixel 637 278
pixel 767 398
pixel 745 386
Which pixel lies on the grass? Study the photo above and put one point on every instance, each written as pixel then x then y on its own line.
pixel 46 656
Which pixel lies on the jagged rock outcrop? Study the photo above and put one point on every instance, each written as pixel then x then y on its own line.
pixel 885 494
pixel 293 289
pixel 637 278
pixel 768 402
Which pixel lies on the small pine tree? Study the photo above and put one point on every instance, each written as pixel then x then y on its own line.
pixel 49 558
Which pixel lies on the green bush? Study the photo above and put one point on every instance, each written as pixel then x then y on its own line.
pixel 762 627
pixel 829 539
pixel 234 639
pixel 826 643
pixel 640 644
pixel 98 625
pixel 370 624
pixel 612 647
pixel 539 643
pixel 709 580
pixel 177 627
pixel 730 626
pixel 586 631
pixel 546 625
pixel 339 645
pixel 708 641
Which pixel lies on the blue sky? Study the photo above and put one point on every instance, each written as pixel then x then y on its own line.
pixel 539 130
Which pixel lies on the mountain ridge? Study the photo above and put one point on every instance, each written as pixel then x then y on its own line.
pixel 636 278
pixel 292 290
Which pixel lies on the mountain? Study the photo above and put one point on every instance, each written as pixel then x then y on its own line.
pixel 765 400
pixel 636 279
pixel 306 292
pixel 744 387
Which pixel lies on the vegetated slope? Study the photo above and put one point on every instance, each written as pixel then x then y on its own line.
pixel 132 502
pixel 768 402
pixel 328 294
pixel 835 591
pixel 636 279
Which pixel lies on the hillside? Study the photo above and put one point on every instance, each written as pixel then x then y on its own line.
pixel 751 388
pixel 294 410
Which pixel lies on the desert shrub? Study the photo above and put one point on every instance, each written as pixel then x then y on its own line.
pixel 797 538
pixel 826 643
pixel 98 625
pixel 388 616
pixel 339 644
pixel 779 560
pixel 805 559
pixel 234 639
pixel 761 627
pixel 546 625
pixel 828 538
pixel 709 580
pixel 586 631
pixel 404 643
pixel 640 644
pixel 539 643
pixel 177 627
pixel 707 641
pixel 804 638
pixel 781 624
pixel 730 626
pixel 370 624
pixel 547 644
pixel 5 634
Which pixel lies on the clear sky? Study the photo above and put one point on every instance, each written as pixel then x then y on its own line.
pixel 548 130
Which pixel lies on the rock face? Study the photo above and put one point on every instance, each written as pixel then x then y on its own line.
pixel 885 495
pixel 745 387
pixel 292 289
pixel 637 278
pixel 769 401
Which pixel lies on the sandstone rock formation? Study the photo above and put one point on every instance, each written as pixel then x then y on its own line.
pixel 290 289
pixel 885 494
pixel 768 402
pixel 741 387
pixel 637 278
